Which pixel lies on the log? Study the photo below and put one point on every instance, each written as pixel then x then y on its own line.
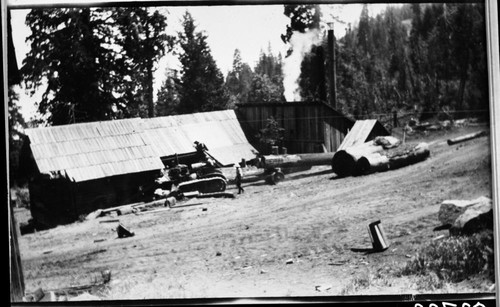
pixel 125 210
pixel 466 137
pixel 371 163
pixel 344 161
pixel 216 194
pixel 417 154
pixel 279 161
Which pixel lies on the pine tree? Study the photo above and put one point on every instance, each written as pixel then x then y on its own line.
pixel 70 48
pixel 239 80
pixel 202 83
pixel 168 95
pixel 144 42
pixel 267 83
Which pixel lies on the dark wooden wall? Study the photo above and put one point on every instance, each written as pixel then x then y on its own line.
pixel 59 201
pixel 308 127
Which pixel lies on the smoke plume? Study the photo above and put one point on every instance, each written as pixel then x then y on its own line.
pixel 301 44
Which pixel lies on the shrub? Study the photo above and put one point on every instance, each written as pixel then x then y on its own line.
pixel 20 196
pixel 455 258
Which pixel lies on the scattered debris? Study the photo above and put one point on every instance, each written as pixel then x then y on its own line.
pixel 85 297
pixel 153 211
pixel 323 288
pixel 337 263
pixel 442 227
pixel 125 210
pixel 438 238
pixel 170 202
pixel 35 296
pixel 110 221
pixel 466 137
pixel 289 261
pixel 216 194
pixel 123 232
pixel 94 215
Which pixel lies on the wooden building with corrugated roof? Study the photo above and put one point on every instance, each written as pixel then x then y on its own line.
pixel 309 126
pixel 76 169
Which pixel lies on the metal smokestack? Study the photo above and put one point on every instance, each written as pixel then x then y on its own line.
pixel 332 71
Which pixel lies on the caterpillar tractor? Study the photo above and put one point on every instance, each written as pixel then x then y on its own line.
pixel 199 173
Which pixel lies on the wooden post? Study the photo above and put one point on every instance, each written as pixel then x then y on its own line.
pixel 16 268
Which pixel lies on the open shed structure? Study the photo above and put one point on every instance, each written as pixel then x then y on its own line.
pixel 309 126
pixel 363 131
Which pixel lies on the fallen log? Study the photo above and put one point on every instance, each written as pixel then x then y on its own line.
pixel 216 194
pixel 344 161
pixel 417 154
pixel 466 137
pixel 371 164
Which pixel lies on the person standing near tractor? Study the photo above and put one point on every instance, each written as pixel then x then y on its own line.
pixel 239 175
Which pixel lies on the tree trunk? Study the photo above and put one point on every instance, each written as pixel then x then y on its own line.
pixel 149 82
pixel 379 162
pixel 466 137
pixel 463 81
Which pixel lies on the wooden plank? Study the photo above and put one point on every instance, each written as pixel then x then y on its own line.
pixel 16 268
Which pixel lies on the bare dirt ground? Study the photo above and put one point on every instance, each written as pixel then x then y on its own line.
pixel 240 247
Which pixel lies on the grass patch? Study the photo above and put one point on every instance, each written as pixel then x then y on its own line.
pixel 454 259
pixel 364 281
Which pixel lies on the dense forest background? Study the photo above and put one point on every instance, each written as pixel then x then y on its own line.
pixel 425 60
pixel 420 60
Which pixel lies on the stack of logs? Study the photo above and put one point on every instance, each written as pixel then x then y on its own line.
pixel 380 154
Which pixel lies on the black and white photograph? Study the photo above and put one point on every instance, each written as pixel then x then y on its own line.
pixel 240 150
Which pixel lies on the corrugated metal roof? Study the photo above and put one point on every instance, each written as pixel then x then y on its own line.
pixel 93 150
pixel 220 131
pixel 359 133
pixel 101 149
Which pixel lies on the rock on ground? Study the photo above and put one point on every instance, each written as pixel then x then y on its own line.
pixel 474 219
pixel 450 210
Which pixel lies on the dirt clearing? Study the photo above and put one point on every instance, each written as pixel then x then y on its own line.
pixel 305 236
